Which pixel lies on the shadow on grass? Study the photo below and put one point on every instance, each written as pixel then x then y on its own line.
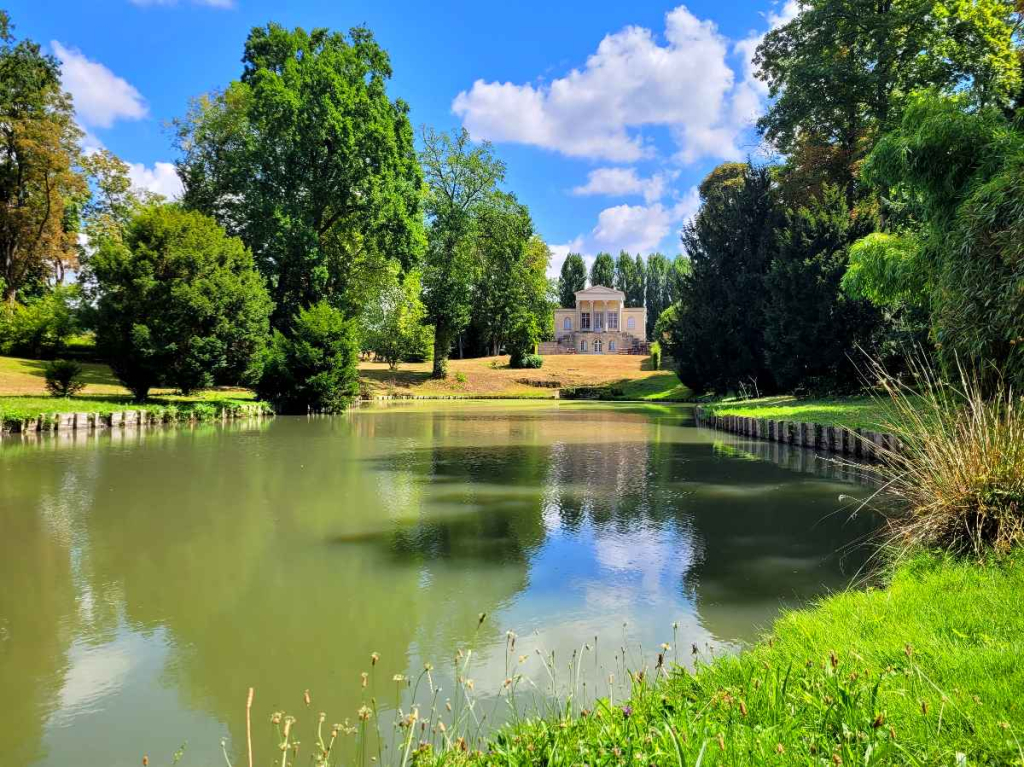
pixel 395 377
pixel 93 373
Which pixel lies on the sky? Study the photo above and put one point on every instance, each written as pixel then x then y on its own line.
pixel 607 114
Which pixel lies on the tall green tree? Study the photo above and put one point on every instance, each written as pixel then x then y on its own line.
pixel 602 271
pixel 958 172
pixel 573 277
pixel 311 164
pixel 717 339
pixel 178 302
pixel 812 330
pixel 625 275
pixel 839 73
pixel 461 180
pixel 507 294
pixel 41 187
pixel 392 325
pixel 657 296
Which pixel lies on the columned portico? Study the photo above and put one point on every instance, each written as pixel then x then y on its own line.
pixel 601 323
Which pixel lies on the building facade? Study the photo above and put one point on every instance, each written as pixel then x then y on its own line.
pixel 601 323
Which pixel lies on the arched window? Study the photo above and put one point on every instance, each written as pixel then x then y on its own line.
pixel 583 346
pixel 567 324
pixel 597 347
pixel 631 323
pixel 611 346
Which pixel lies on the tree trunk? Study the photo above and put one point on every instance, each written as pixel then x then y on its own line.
pixel 440 355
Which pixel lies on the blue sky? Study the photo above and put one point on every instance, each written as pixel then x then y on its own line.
pixel 607 113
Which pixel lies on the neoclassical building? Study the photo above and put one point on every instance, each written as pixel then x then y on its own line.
pixel 601 323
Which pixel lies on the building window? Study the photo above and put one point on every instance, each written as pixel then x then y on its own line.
pixel 613 320
pixel 583 346
pixel 585 321
pixel 611 346
pixel 567 324
pixel 597 347
pixel 598 321
pixel 631 323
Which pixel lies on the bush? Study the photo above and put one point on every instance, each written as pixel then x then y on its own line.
pixel 315 366
pixel 532 361
pixel 178 303
pixel 522 340
pixel 64 378
pixel 42 327
pixel 655 356
pixel 958 465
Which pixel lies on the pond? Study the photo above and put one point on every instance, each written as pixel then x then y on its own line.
pixel 149 578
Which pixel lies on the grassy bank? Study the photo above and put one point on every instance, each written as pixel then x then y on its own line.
pixel 925 671
pixel 851 412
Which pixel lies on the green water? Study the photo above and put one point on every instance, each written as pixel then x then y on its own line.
pixel 148 578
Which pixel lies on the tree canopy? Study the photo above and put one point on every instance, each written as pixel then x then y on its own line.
pixel 572 278
pixel 602 271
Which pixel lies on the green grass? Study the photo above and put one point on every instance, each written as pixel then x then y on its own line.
pixel 917 673
pixel 660 386
pixel 851 412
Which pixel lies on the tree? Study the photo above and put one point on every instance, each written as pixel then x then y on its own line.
pixel 717 340
pixel 308 161
pixel 657 294
pixel 811 329
pixel 392 325
pixel 679 271
pixel 840 72
pixel 178 302
pixel 461 177
pixel 315 367
pixel 39 186
pixel 573 277
pixel 602 271
pixel 958 172
pixel 507 295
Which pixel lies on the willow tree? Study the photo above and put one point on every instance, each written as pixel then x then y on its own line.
pixel 40 188
pixel 311 164
pixel 461 178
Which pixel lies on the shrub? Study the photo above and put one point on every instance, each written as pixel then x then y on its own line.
pixel 64 378
pixel 178 302
pixel 315 366
pixel 532 361
pixel 522 340
pixel 655 356
pixel 958 467
pixel 41 327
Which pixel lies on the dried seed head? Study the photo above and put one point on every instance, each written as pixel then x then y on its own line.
pixel 833 659
pixel 879 721
pixel 721 742
pixel 924 707
pixel 374 657
pixel 364 713
pixel 363 678
pixel 743 708
pixel 305 697
pixel 779 749
pixel 145 760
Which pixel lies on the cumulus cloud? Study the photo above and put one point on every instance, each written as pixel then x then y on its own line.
pixel 162 178
pixel 101 97
pixel 641 228
pixel 635 79
pixel 625 182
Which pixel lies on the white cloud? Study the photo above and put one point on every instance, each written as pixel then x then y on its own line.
pixel 162 178
pixel 101 97
pixel 209 3
pixel 559 252
pixel 633 80
pixel 625 181
pixel 642 228
pixel 751 92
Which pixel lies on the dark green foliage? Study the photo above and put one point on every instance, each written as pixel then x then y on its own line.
pixel 532 361
pixel 308 161
pixel 64 378
pixel 178 303
pixel 315 366
pixel 960 174
pixel 602 271
pixel 717 339
pixel 657 290
pixel 573 277
pixel 630 278
pixel 812 330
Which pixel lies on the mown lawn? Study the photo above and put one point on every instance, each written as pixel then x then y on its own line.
pixel 23 393
pixel 926 671
pixel 851 412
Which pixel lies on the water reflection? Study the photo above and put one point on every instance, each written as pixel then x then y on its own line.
pixel 147 578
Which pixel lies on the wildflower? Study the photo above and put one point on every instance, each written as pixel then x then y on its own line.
pixel 508 682
pixel 305 697
pixel 364 713
pixel 523 658
pixel 627 711
pixel 779 749
pixel 1004 725
pixel 448 705
pixel 363 678
pixel 428 666
pixel 323 717
pixel 469 684
pixel 374 657
pixel 275 718
pixel 398 678
pixel 441 727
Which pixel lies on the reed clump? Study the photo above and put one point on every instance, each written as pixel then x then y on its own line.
pixel 956 466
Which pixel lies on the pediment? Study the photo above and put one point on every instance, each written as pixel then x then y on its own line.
pixel 600 291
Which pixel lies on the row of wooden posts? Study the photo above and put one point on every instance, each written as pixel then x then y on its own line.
pixel 122 418
pixel 860 443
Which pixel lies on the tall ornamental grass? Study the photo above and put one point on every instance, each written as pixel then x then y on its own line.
pixel 957 463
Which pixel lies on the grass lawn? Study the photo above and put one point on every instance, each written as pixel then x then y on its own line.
pixel 925 671
pixel 492 377
pixel 23 393
pixel 851 412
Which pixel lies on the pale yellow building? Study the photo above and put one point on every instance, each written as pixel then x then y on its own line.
pixel 601 323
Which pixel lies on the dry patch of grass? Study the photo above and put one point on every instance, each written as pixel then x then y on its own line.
pixel 492 377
